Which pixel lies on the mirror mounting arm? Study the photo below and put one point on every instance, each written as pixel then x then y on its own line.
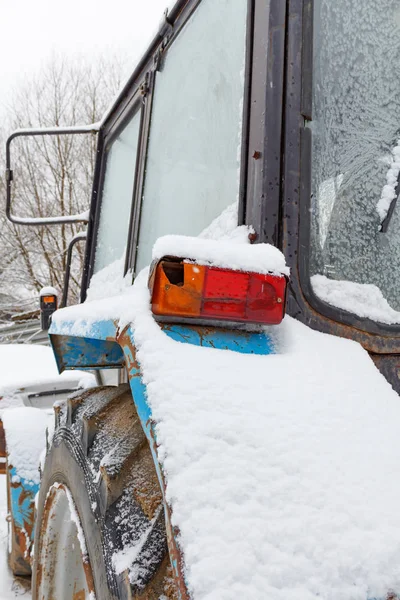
pixel 78 130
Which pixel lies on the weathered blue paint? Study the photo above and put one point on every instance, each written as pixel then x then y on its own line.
pixel 222 339
pixel 99 346
pixel 22 499
pixel 85 353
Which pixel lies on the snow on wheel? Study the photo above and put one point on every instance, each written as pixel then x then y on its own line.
pixel 100 530
pixel 64 566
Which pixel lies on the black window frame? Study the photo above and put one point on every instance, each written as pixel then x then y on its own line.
pixel 137 105
pixel 265 37
pixel 303 304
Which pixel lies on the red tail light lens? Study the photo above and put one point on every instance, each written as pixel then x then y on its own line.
pixel 183 291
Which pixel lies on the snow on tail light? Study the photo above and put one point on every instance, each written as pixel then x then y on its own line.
pixel 187 291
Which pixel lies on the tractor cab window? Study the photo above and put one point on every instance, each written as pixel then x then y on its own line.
pixel 193 165
pixel 116 198
pixel 355 216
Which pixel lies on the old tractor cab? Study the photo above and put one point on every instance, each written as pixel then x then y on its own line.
pixel 253 160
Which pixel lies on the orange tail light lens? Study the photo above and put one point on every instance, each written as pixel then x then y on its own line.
pixel 186 291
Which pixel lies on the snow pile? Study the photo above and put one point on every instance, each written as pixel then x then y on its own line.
pixel 24 365
pixel 389 190
pixel 261 258
pixel 48 290
pixel 26 437
pixel 362 299
pixel 109 281
pixel 281 470
pixel 225 227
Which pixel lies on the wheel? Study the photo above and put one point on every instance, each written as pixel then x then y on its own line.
pixel 100 530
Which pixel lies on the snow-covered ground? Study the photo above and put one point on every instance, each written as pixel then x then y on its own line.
pixel 28 368
pixel 9 588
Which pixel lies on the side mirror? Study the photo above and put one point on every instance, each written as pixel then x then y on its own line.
pixel 58 131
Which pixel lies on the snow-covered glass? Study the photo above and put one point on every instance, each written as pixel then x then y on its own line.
pixel 116 199
pixel 356 156
pixel 192 171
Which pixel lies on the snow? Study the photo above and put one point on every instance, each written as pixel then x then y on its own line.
pixel 24 365
pixel 84 217
pixel 26 437
pixel 389 190
pixel 48 291
pixel 225 227
pixel 362 299
pixel 281 470
pixel 74 517
pixel 259 258
pixel 91 128
pixel 280 495
pixel 109 281
pixel 9 588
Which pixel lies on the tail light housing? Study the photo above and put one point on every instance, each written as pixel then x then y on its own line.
pixel 184 291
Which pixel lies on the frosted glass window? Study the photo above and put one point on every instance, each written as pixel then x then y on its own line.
pixel 356 154
pixel 116 199
pixel 192 171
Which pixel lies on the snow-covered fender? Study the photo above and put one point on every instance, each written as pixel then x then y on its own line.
pixel 105 346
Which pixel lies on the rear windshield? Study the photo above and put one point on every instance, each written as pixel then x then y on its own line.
pixel 355 247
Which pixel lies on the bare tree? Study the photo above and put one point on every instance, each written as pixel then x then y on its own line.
pixel 52 174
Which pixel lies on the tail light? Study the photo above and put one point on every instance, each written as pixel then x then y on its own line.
pixel 186 291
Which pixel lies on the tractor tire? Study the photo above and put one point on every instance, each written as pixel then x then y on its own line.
pixel 99 492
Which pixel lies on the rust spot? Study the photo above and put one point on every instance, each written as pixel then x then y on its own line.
pixel 257 155
pixel 2 449
pixel 177 582
pixel 172 536
pixel 19 558
pixel 253 237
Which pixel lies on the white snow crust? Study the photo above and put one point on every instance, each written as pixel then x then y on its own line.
pixel 260 258
pixel 48 291
pixel 92 127
pixel 83 216
pixel 282 470
pixel 362 299
pixel 26 437
pixel 389 190
pixel 109 281
pixel 225 227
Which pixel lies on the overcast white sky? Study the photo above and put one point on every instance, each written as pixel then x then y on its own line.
pixel 31 31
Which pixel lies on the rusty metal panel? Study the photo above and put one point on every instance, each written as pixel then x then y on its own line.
pixel 2 449
pixel 21 508
pixel 73 352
